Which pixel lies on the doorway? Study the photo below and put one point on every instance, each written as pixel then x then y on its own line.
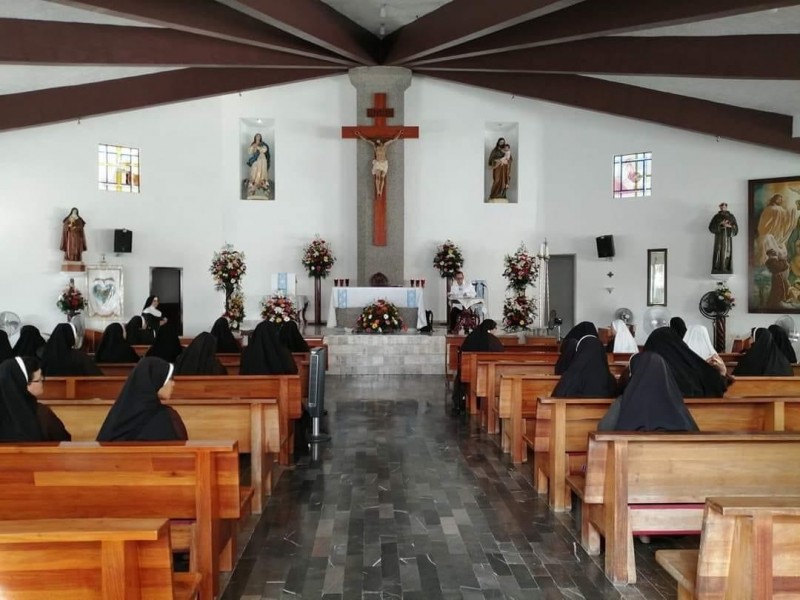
pixel 562 289
pixel 165 282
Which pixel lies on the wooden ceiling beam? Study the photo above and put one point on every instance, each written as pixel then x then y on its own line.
pixel 316 23
pixel 700 116
pixel 461 21
pixel 63 43
pixel 56 105
pixel 736 56
pixel 595 18
pixel 207 18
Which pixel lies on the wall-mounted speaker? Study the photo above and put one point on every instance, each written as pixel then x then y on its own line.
pixel 123 241
pixel 605 246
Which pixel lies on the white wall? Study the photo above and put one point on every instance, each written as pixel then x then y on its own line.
pixel 189 202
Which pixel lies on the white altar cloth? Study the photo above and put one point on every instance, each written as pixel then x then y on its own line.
pixel 353 297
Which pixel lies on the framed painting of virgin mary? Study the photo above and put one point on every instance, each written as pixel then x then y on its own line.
pixel 105 292
pixel 774 245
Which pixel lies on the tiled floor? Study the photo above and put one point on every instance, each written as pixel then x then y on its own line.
pixel 408 502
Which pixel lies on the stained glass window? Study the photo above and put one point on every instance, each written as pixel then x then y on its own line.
pixel 633 175
pixel 118 168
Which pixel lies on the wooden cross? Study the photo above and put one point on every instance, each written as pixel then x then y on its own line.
pixel 379 134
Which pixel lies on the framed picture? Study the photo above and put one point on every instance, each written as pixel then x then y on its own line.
pixel 774 244
pixel 499 163
pixel 257 159
pixel 104 291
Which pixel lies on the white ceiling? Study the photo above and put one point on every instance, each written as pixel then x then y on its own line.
pixel 775 96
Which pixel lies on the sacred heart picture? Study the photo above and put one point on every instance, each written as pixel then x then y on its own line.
pixel 105 291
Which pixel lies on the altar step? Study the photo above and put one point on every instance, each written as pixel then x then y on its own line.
pixel 388 354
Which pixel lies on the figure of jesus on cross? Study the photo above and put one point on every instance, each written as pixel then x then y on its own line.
pixel 380 164
pixel 380 136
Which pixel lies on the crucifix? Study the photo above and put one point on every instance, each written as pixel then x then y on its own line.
pixel 380 136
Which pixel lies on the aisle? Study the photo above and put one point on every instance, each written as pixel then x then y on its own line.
pixel 407 502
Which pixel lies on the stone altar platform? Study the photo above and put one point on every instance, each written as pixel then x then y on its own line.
pixel 385 354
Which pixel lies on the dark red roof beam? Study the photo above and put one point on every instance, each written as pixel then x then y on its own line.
pixel 62 43
pixel 596 18
pixel 701 116
pixel 204 17
pixel 55 105
pixel 738 56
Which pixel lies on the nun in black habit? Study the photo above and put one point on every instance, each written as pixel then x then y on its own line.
pixel 566 355
pixel 588 375
pixel 6 351
pixel 652 400
pixel 30 342
pixel 481 339
pixel 199 358
pixel 61 359
pixel 265 355
pixel 783 343
pixel 167 345
pixel 136 334
pixel 138 414
pixel 291 337
pixel 114 348
pixel 678 325
pixel 694 376
pixel 763 358
pixel 581 329
pixel 22 418
pixel 226 343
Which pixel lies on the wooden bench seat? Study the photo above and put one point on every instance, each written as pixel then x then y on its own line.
pixel 193 484
pixel 657 483
pixel 256 410
pixel 231 362
pixel 534 344
pixel 562 427
pixel 748 549
pixel 763 386
pixel 108 559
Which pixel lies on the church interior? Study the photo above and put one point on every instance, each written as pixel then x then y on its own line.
pixel 631 166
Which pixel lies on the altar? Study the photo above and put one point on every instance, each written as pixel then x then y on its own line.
pixel 358 297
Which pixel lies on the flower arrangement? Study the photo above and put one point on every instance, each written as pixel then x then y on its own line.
pixel 318 258
pixel 227 269
pixel 380 317
pixel 448 259
pixel 234 312
pixel 278 309
pixel 724 298
pixel 521 269
pixel 518 313
pixel 71 301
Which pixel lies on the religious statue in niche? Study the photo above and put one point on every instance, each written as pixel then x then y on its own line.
pixel 500 161
pixel 380 164
pixel 724 227
pixel 258 159
pixel 73 240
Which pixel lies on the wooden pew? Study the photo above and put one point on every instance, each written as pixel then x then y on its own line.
pixel 231 362
pixel 748 549
pixel 109 559
pixel 763 386
pixel 256 410
pixel 195 481
pixel 562 427
pixel 657 483
pixel 488 375
pixel 534 344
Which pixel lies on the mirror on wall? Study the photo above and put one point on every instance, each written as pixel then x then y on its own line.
pixel 657 277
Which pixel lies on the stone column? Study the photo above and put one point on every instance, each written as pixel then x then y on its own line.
pixel 393 81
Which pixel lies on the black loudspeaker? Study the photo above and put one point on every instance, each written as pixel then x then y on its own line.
pixel 605 246
pixel 123 240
